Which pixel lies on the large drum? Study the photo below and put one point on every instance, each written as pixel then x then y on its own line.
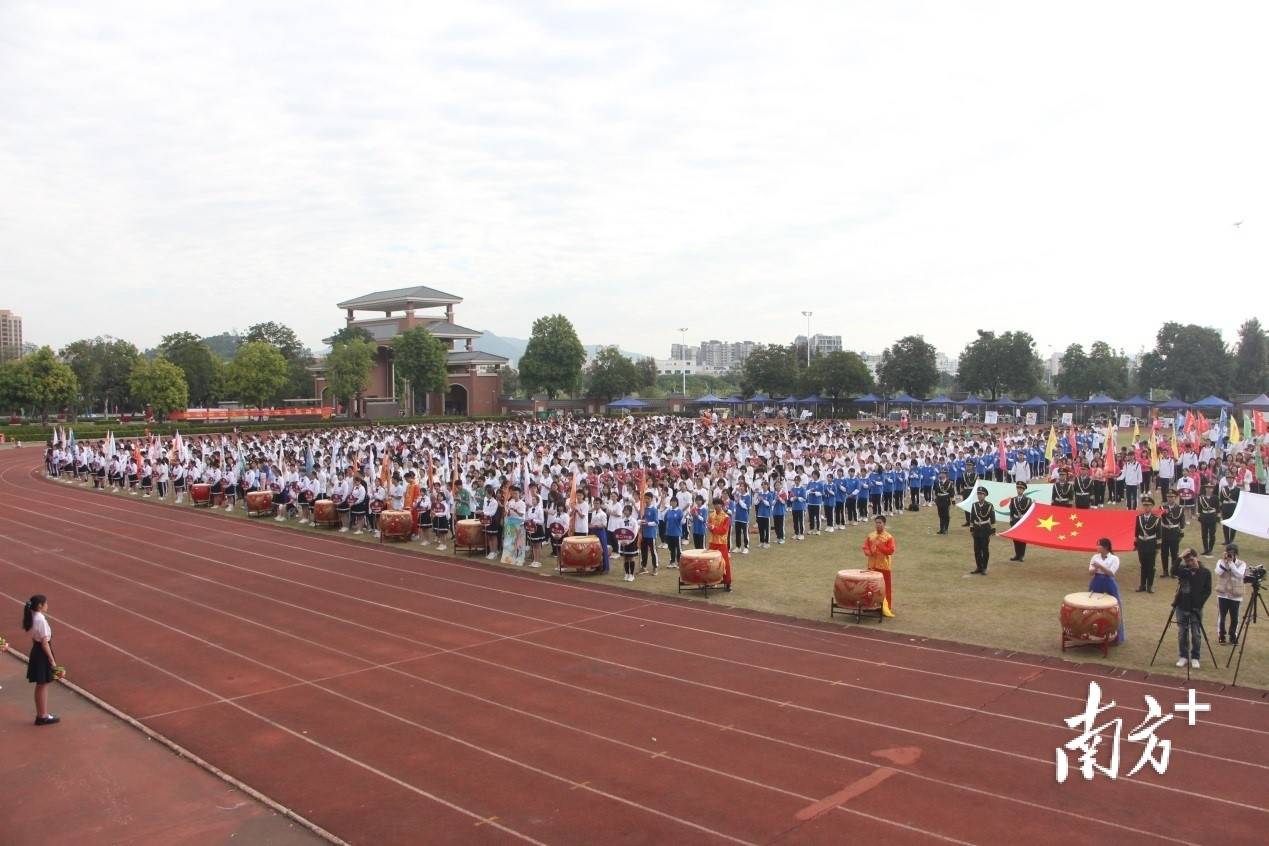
pixel 395 526
pixel 200 494
pixel 469 536
pixel 1089 619
pixel 324 514
pixel 701 568
pixel 581 553
pixel 858 591
pixel 260 503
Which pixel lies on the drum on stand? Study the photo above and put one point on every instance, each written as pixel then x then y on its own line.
pixel 701 569
pixel 395 526
pixel 324 515
pixel 581 554
pixel 469 536
pixel 260 503
pixel 858 592
pixel 1089 619
pixel 200 495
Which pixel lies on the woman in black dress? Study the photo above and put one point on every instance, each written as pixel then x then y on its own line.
pixel 39 668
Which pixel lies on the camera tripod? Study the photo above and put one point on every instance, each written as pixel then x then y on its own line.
pixel 1244 629
pixel 1170 621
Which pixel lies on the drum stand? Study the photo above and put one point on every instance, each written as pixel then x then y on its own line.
pixel 858 610
pixel 1244 630
pixel 1171 620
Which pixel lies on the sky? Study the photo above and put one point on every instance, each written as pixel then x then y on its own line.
pixel 1074 170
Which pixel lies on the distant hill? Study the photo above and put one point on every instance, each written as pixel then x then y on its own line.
pixel 225 344
pixel 513 348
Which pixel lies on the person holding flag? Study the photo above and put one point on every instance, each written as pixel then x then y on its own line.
pixel 982 519
pixel 1018 508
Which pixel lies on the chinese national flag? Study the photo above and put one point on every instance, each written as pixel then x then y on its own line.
pixel 1076 529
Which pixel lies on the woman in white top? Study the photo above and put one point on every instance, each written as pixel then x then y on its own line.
pixel 1104 565
pixel 39 668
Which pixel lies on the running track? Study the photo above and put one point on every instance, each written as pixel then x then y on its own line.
pixel 392 697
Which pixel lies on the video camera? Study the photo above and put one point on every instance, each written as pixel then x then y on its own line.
pixel 1254 575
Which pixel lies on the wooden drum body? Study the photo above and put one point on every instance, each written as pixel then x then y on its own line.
pixel 581 554
pixel 858 592
pixel 395 526
pixel 200 494
pixel 701 568
pixel 469 535
pixel 1089 618
pixel 260 504
pixel 324 514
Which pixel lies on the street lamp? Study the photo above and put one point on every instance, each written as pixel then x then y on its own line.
pixel 807 315
pixel 683 352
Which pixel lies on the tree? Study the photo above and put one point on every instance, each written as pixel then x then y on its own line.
pixel 348 370
pixel 1107 370
pixel 1251 361
pixel 510 381
pixel 257 374
pixel 224 345
pixel 647 368
pixel 909 365
pixel 1189 360
pixel 838 374
pixel 611 375
pixel 160 384
pixel 349 333
pixel 420 361
pixel 772 368
pixel 553 359
pixel 995 363
pixel 44 383
pixel 196 361
pixel 102 367
pixel 1073 375
pixel 299 382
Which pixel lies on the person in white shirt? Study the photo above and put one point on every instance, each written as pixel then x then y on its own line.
pixel 1229 574
pixel 41 665
pixel 1104 565
pixel 1166 473
pixel 1131 475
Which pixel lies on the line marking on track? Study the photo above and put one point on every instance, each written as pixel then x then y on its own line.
pixel 850 791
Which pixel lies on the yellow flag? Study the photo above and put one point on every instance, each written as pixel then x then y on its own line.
pixel 1176 453
pixel 1136 432
pixel 1154 452
pixel 1235 435
pixel 1051 445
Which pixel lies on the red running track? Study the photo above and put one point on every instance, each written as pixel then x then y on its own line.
pixel 395 697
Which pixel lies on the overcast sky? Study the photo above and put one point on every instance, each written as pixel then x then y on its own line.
pixel 1070 169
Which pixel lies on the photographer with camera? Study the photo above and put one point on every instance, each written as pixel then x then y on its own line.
pixel 1194 586
pixel 1230 572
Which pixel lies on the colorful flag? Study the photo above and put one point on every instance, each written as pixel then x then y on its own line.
pixel 1076 529
pixel 1002 457
pixel 1112 438
pixel 1176 454
pixel 1051 445
pixel 1136 431
pixel 999 494
pixel 1235 436
pixel 1190 423
pixel 1073 443
pixel 1258 422
pixel 1154 452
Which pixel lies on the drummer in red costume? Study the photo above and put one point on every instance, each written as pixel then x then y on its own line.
pixel 878 549
pixel 720 538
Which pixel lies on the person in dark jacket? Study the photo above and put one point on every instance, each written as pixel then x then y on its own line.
pixel 1194 586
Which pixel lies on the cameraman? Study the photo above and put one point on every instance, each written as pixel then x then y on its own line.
pixel 1194 586
pixel 1230 571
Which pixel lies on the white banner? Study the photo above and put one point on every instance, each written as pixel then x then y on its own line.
pixel 1031 418
pixel 1125 421
pixel 1067 418
pixel 991 418
pixel 1251 515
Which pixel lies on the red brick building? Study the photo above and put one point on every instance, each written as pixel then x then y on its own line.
pixel 474 380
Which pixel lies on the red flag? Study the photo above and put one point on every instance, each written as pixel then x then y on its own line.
pixel 1074 528
pixel 1189 422
pixel 1002 457
pixel 1073 443
pixel 1258 420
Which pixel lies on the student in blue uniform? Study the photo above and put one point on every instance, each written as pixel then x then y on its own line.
pixel 700 514
pixel 648 525
pixel 741 502
pixel 814 498
pixel 779 510
pixel 876 483
pixel 764 503
pixel 674 531
pixel 851 489
pixel 797 504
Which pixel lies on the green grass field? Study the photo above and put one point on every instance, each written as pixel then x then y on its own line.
pixel 1015 608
